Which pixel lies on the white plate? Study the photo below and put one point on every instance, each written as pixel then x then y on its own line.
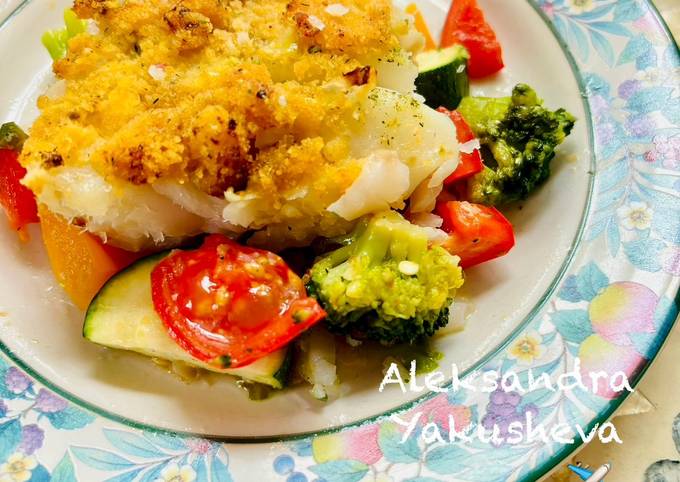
pixel 44 329
pixel 576 242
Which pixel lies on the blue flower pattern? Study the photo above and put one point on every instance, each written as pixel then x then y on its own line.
pixel 31 415
pixel 635 220
pixel 636 115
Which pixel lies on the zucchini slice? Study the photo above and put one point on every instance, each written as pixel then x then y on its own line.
pixel 122 316
pixel 443 79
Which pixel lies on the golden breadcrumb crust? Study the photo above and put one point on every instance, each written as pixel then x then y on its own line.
pixel 226 94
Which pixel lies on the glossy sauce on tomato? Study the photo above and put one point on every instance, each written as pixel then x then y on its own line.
pixel 231 304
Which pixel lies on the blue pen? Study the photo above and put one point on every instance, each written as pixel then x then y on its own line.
pixel 590 476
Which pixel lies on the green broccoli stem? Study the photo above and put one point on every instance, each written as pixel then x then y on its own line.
pixel 406 244
pixel 478 112
pixel 370 242
pixel 337 257
pixel 386 237
pixel 374 244
pixel 391 236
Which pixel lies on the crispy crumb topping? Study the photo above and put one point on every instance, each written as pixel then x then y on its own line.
pixel 230 95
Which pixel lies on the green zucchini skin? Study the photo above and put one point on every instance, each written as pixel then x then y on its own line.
pixel 122 316
pixel 443 79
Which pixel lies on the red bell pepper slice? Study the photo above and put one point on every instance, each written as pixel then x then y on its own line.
pixel 476 233
pixel 467 26
pixel 17 200
pixel 470 163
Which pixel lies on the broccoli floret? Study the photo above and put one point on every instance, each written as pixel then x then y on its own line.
pixel 387 284
pixel 522 135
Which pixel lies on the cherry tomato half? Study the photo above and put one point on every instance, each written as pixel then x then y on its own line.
pixel 231 305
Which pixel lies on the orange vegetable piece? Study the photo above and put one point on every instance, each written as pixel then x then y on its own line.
pixel 80 261
pixel 421 25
